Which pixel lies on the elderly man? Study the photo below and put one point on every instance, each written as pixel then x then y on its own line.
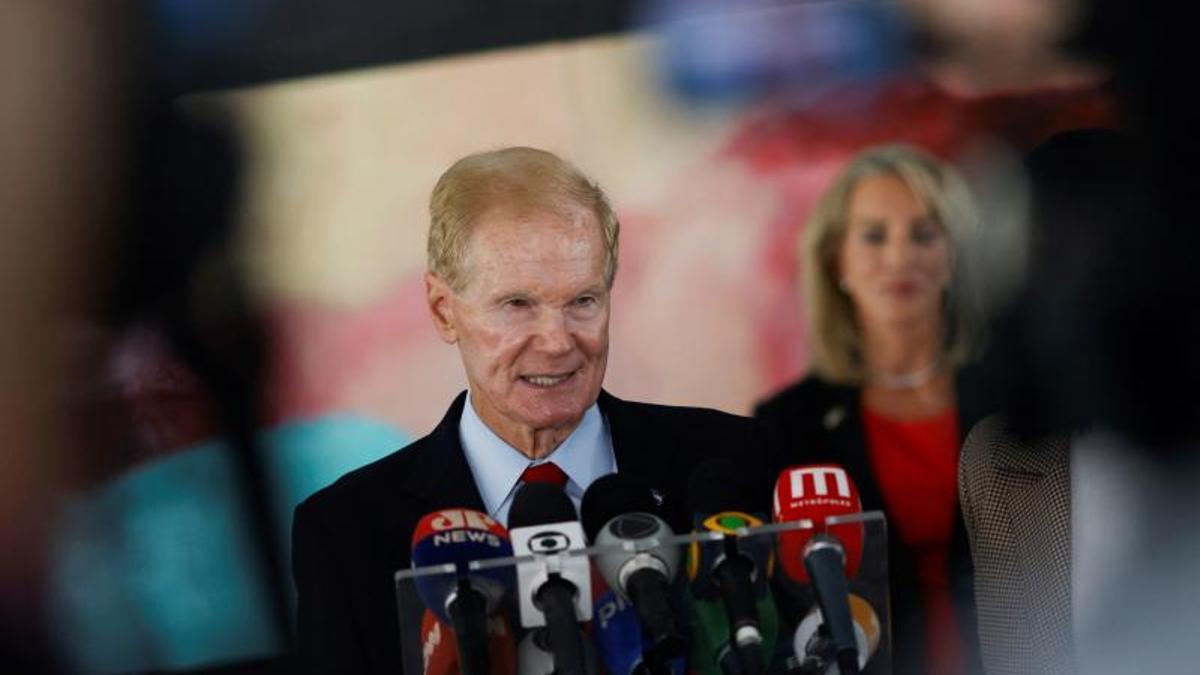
pixel 522 256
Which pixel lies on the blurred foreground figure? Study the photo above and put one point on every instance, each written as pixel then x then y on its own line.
pixel 117 214
pixel 58 136
pixel 1076 499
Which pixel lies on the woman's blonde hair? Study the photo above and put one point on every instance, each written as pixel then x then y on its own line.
pixel 835 339
pixel 519 178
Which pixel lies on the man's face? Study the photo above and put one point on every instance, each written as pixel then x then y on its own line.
pixel 531 321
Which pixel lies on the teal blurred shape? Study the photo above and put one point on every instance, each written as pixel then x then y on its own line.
pixel 156 569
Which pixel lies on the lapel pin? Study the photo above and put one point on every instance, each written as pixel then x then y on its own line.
pixel 834 417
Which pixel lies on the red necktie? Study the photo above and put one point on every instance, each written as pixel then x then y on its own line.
pixel 545 473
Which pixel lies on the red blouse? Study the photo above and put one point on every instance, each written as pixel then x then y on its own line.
pixel 915 463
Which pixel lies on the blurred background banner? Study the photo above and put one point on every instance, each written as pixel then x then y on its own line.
pixel 713 145
pixel 712 199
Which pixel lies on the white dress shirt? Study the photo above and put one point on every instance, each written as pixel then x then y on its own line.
pixel 584 456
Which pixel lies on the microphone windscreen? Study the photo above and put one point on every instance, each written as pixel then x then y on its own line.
pixel 817 492
pixel 539 503
pixel 459 536
pixel 439 650
pixel 710 654
pixel 439 646
pixel 616 632
pixel 612 495
pixel 718 485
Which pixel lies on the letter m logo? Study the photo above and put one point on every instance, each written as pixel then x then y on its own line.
pixel 819 478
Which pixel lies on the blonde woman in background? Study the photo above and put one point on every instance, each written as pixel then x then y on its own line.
pixel 892 324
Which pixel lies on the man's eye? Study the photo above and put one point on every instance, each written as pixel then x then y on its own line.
pixel 585 301
pixel 517 303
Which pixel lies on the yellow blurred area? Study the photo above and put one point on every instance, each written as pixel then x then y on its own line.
pixel 342 165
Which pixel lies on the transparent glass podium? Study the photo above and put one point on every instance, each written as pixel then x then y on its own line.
pixel 789 636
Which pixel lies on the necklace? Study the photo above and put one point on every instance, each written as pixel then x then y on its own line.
pixel 909 380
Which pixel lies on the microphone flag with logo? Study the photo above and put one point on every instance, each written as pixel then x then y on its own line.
pixel 465 599
pixel 733 569
pixel 817 492
pixel 619 518
pixel 828 554
pixel 554 587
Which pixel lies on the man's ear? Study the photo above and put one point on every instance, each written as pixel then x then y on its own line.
pixel 439 297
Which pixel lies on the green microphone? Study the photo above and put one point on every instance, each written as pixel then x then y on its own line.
pixel 712 652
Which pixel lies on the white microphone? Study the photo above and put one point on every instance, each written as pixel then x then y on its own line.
pixel 554 589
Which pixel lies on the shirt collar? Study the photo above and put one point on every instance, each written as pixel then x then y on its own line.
pixel 584 456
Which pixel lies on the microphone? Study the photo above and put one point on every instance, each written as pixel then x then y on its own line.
pixel 736 571
pixel 616 632
pixel 618 509
pixel 463 600
pixel 815 650
pixel 439 648
pixel 439 654
pixel 620 643
pixel 712 653
pixel 532 657
pixel 554 590
pixel 827 554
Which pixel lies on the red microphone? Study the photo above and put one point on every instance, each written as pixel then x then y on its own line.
pixel 816 492
pixel 439 647
pixel 829 553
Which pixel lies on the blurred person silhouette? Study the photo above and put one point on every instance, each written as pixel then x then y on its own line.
pixel 118 211
pixel 171 278
pixel 1077 498
pixel 59 133
pixel 893 323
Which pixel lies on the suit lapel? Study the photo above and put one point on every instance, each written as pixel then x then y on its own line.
pixel 628 439
pixel 847 437
pixel 1038 501
pixel 448 481
pixel 642 450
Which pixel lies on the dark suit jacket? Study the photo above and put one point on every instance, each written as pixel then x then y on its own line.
pixel 816 421
pixel 1016 499
pixel 351 537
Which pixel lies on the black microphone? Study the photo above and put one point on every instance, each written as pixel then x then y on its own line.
pixel 463 600
pixel 542 522
pixel 717 491
pixel 619 508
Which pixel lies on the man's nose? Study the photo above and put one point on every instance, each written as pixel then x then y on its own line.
pixel 553 335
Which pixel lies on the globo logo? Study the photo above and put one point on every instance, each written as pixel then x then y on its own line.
pixel 549 542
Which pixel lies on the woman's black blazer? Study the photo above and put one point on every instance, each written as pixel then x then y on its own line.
pixel 815 421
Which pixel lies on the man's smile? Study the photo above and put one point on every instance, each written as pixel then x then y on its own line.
pixel 547 380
